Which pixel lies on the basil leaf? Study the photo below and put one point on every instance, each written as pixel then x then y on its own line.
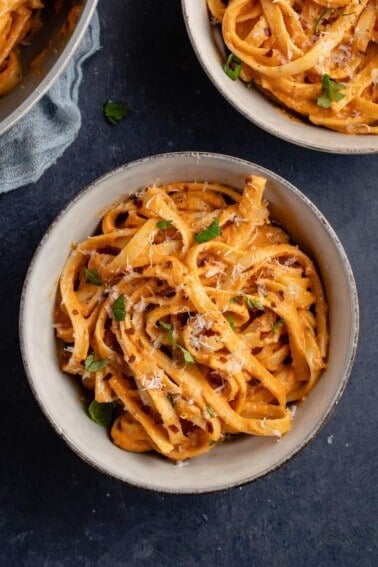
pixel 92 365
pixel 212 231
pixel 93 276
pixel 277 325
pixel 162 224
pixel 233 66
pixel 101 413
pixel 119 310
pixel 114 112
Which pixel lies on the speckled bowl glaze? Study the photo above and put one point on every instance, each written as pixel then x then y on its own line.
pixel 255 106
pixel 244 458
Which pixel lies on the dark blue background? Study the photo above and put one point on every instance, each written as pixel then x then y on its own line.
pixel 321 508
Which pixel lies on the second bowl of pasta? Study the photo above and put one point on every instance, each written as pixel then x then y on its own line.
pixel 305 72
pixel 194 326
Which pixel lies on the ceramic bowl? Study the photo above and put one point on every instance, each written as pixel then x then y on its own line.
pixel 257 108
pixel 244 458
pixel 57 49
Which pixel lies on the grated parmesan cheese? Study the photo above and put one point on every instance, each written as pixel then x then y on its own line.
pixel 152 382
pixel 233 365
pixel 237 270
pixel 180 464
pixel 140 306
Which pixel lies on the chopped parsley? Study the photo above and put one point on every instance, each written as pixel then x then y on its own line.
pixel 231 320
pixel 171 399
pixel 188 358
pixel 330 92
pixel 92 365
pixel 119 310
pixel 169 328
pixel 212 442
pixel 253 303
pixel 210 412
pixel 326 13
pixel 93 276
pixel 233 66
pixel 212 231
pixel 250 303
pixel 162 224
pixel 277 325
pixel 101 413
pixel 114 112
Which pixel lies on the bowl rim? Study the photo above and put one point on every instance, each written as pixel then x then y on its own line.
pixel 353 297
pixel 57 68
pixel 304 141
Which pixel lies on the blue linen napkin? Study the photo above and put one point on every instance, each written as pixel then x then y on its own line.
pixel 33 144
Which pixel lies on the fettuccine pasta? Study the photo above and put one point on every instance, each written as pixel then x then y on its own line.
pixel 316 57
pixel 18 18
pixel 194 316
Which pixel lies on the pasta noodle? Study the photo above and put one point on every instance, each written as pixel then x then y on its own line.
pixel 194 315
pixel 18 18
pixel 316 57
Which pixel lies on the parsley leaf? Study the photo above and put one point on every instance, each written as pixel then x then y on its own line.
pixel 92 276
pixel 169 328
pixel 330 92
pixel 188 358
pixel 212 442
pixel 171 399
pixel 92 365
pixel 119 310
pixel 231 320
pixel 114 112
pixel 277 325
pixel 101 413
pixel 162 224
pixel 328 12
pixel 250 303
pixel 233 67
pixel 212 231
pixel 210 412
pixel 253 303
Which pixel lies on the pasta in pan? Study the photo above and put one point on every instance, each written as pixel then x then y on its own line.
pixel 192 317
pixel 18 18
pixel 316 57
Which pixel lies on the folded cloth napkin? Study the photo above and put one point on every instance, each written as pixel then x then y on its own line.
pixel 40 138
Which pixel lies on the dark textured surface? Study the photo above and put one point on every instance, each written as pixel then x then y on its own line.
pixel 321 508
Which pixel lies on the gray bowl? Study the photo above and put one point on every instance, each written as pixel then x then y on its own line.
pixel 245 458
pixel 59 50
